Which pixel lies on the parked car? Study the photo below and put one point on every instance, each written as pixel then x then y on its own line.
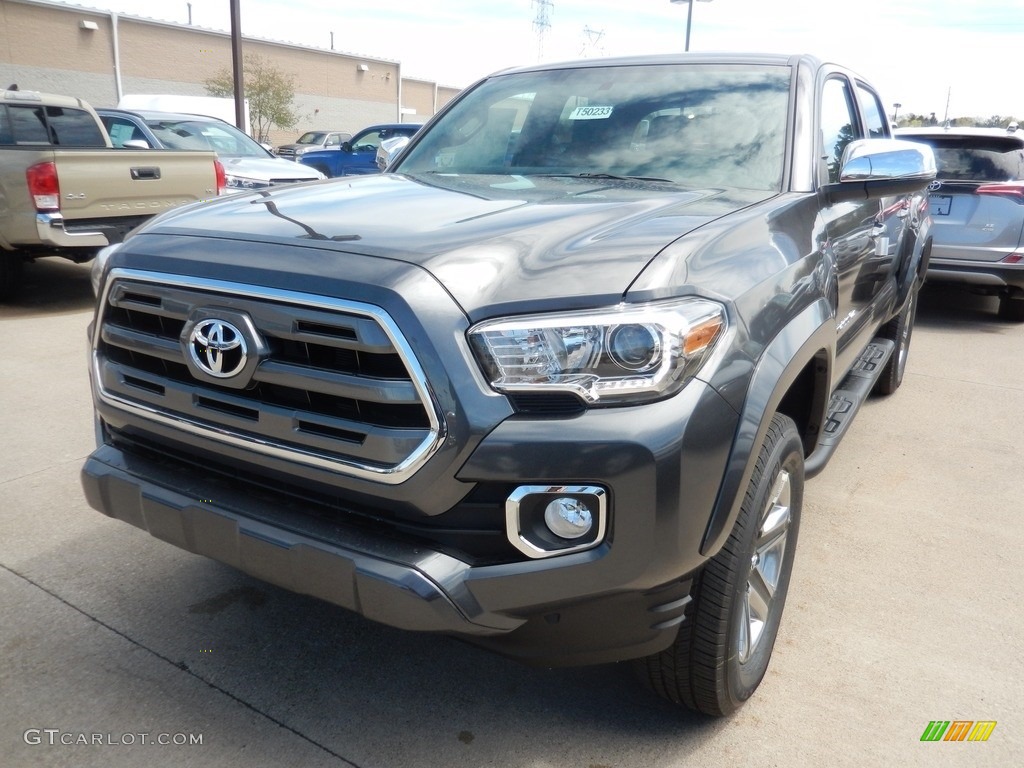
pixel 311 141
pixel 977 204
pixel 246 163
pixel 65 191
pixel 553 383
pixel 359 155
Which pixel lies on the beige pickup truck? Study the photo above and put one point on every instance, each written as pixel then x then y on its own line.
pixel 65 191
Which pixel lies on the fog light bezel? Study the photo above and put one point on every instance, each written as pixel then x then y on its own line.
pixel 527 531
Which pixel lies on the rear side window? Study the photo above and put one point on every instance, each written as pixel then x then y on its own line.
pixel 982 159
pixel 54 126
pixel 874 115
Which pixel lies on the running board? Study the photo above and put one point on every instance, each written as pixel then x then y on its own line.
pixel 846 401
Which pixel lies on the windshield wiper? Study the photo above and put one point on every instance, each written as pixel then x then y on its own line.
pixel 609 176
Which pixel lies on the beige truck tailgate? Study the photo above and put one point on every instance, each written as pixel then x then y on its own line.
pixel 96 184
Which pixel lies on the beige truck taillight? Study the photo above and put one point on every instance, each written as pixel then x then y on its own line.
pixel 222 177
pixel 43 186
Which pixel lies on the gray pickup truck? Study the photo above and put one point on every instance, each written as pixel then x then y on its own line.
pixel 65 191
pixel 553 383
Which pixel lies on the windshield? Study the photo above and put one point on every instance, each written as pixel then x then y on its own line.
pixel 698 125
pixel 224 139
pixel 312 137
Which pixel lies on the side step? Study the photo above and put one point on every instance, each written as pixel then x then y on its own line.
pixel 846 401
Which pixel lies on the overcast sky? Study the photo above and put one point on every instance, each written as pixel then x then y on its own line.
pixel 920 53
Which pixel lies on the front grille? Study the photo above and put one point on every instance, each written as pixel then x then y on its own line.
pixel 472 531
pixel 336 386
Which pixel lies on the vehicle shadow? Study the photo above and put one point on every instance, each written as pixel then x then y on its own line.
pixel 949 307
pixel 50 286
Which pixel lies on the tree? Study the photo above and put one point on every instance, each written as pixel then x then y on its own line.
pixel 269 91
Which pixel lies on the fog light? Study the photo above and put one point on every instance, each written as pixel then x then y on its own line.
pixel 569 518
pixel 550 520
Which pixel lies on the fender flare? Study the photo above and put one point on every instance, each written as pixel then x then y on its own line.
pixel 912 269
pixel 808 335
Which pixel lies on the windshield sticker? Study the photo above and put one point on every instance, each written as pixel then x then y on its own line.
pixel 591 113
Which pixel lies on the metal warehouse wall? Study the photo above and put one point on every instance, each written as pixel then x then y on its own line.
pixel 44 47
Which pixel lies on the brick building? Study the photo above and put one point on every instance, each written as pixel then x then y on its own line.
pixel 100 56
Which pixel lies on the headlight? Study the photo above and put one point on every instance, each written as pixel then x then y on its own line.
pixel 242 182
pixel 623 354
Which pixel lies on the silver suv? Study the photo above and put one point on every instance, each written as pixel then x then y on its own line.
pixel 977 205
pixel 311 141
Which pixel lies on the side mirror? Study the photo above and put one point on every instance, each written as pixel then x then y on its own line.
pixel 389 149
pixel 136 144
pixel 873 168
pixel 346 146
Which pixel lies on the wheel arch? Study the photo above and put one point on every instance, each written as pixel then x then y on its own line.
pixel 913 268
pixel 793 377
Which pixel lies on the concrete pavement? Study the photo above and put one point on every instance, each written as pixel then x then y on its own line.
pixel 903 607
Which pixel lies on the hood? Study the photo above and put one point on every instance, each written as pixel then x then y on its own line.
pixel 489 240
pixel 273 169
pixel 303 147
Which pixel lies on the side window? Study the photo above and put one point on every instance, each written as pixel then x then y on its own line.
pixel 839 125
pixel 58 126
pixel 121 130
pixel 874 115
pixel 368 142
pixel 28 124
pixel 73 128
pixel 6 136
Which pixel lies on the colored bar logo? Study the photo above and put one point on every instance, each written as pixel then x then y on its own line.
pixel 958 730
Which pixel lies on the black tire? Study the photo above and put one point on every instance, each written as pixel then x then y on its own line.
pixel 10 274
pixel 899 329
pixel 1011 309
pixel 722 651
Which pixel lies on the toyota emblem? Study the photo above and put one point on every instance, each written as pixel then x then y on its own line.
pixel 935 185
pixel 217 348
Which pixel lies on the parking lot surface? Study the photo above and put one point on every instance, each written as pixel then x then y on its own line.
pixel 119 650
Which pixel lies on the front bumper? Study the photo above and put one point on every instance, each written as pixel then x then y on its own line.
pixel 414 585
pixel 625 598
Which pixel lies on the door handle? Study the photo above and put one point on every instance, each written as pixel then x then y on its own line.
pixel 141 174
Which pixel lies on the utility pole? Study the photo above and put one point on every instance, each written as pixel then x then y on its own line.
pixel 236 65
pixel 542 24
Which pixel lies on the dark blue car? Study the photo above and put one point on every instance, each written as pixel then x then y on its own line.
pixel 357 155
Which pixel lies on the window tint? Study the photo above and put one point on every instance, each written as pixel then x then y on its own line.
pixel 838 124
pixel 6 135
pixel 73 128
pixel 976 159
pixel 874 115
pixel 58 126
pixel 28 124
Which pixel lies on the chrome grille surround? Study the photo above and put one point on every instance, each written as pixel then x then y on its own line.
pixel 139 391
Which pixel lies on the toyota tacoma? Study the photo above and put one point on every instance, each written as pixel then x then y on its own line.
pixel 552 383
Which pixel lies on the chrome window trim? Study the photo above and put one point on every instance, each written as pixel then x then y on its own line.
pixel 399 473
